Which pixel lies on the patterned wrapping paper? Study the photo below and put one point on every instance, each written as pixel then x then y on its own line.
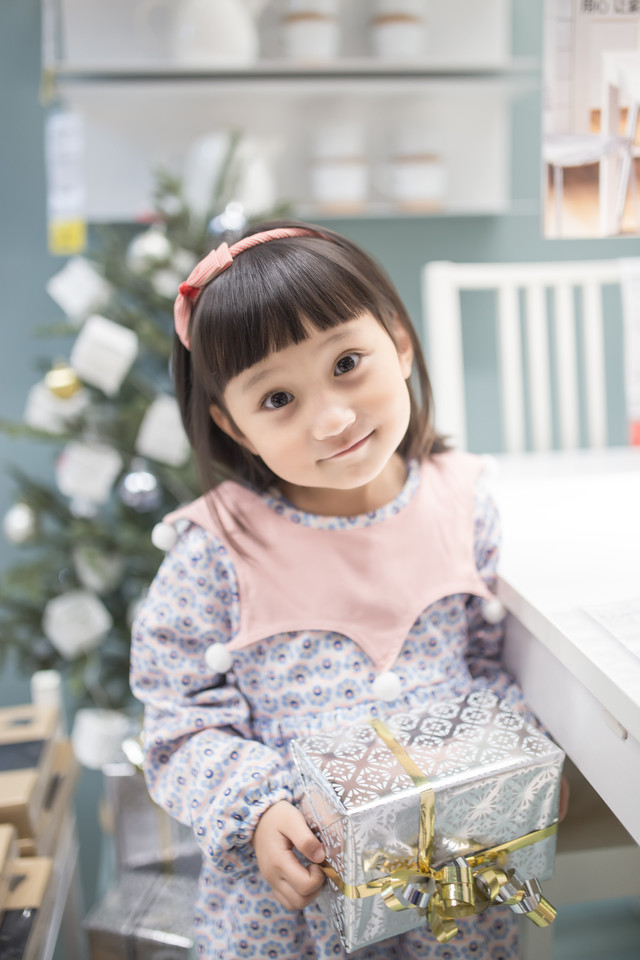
pixel 494 778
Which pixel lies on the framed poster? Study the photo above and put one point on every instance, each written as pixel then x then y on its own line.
pixel 590 140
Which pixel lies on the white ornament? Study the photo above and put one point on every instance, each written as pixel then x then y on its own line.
pixel 148 249
pixel 20 523
pixel 86 472
pixel 218 658
pixel 78 289
pixel 161 435
pixel 183 261
pixel 103 353
pixel 46 411
pixel 96 570
pixel 493 611
pixel 166 283
pixel 97 736
pixel 387 686
pixel 76 622
pixel 164 536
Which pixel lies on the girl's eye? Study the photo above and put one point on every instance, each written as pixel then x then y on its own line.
pixel 347 363
pixel 276 400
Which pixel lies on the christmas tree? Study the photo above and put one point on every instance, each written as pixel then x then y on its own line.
pixel 121 457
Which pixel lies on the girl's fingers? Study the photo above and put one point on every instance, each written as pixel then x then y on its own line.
pixel 292 898
pixel 299 834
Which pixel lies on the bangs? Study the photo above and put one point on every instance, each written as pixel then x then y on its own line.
pixel 262 302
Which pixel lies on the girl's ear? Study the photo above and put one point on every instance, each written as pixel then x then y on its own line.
pixel 404 347
pixel 226 424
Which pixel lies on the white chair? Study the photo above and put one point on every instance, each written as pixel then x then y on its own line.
pixel 442 285
pixel 562 150
pixel 597 859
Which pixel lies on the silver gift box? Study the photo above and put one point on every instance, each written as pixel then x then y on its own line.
pixel 494 778
pixel 145 916
pixel 145 836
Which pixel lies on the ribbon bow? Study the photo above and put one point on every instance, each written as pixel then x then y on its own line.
pixel 214 263
pixel 465 885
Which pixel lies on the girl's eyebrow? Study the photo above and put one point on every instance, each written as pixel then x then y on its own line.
pixel 257 378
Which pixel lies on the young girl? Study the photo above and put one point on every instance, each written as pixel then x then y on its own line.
pixel 343 569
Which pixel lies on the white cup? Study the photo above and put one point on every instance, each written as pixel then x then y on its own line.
pixel 310 36
pixel 414 182
pixel 398 37
pixel 341 183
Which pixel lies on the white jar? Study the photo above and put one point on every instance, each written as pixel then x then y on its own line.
pixel 341 183
pixel 310 36
pixel 415 181
pixel 398 36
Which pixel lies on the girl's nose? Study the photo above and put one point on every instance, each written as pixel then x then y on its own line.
pixel 331 420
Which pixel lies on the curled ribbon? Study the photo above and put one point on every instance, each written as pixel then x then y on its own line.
pixel 463 886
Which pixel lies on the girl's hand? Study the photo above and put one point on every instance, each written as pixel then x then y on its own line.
pixel 281 828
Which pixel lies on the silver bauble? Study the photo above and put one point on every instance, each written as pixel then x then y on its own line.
pixel 140 489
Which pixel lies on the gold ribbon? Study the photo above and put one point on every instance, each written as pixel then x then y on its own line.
pixel 462 887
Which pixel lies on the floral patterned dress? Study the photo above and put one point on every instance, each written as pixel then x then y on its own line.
pixel 217 745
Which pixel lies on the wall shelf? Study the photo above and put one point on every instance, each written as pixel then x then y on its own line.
pixel 143 111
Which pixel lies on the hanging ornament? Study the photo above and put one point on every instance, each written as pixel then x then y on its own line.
pixel 230 224
pixel 140 489
pixel 166 283
pixel 55 402
pixel 103 353
pixel 86 472
pixel 183 261
pixel 148 249
pixel 161 435
pixel 63 381
pixel 78 289
pixel 97 570
pixel 76 622
pixel 83 509
pixel 97 736
pixel 20 523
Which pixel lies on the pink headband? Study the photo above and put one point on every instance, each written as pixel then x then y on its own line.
pixel 213 264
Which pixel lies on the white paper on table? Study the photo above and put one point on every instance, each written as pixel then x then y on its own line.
pixel 621 619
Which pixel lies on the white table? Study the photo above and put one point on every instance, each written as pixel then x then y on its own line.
pixel 571 525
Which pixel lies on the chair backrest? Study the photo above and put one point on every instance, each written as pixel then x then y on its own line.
pixel 443 282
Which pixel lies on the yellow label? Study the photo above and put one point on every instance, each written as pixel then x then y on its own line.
pixel 67 237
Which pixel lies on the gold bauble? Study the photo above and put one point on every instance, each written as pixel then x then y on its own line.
pixel 63 381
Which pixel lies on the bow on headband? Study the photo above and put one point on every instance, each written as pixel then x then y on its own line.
pixel 213 264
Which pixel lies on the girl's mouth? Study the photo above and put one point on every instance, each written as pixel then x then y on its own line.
pixel 355 446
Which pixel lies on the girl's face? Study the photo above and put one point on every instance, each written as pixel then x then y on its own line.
pixel 327 415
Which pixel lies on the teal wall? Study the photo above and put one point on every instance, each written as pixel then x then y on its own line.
pixel 402 245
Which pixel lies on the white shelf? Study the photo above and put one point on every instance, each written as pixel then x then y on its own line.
pixel 351 68
pixel 141 110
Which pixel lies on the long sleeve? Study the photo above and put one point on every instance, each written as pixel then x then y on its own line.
pixel 202 762
pixel 484 649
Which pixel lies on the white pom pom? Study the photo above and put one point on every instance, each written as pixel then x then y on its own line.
pixel 387 686
pixel 218 658
pixel 163 536
pixel 493 611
